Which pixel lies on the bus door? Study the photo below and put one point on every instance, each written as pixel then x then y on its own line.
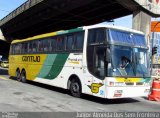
pixel 100 71
pixel 97 67
pixel 99 62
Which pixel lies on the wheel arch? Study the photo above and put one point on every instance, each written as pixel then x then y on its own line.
pixel 23 69
pixel 18 69
pixel 72 77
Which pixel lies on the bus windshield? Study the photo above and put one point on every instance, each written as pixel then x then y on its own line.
pixel 127 61
pixel 118 54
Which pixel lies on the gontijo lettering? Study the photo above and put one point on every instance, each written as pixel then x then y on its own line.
pixel 31 58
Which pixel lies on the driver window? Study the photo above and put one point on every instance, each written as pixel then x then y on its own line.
pixel 99 62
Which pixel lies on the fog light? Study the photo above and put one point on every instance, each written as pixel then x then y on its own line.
pixel 147 91
pixel 147 84
pixel 111 83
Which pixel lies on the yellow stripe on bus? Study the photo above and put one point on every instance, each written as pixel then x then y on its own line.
pixel 74 62
pixel 119 79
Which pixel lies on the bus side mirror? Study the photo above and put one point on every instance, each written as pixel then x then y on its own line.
pixel 108 55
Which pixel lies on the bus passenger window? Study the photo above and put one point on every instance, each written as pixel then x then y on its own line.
pixel 60 43
pixel 14 49
pixel 11 50
pixel 78 42
pixel 17 48
pixel 100 36
pixel 30 47
pixel 22 48
pixel 40 46
pixel 53 44
pixel 34 46
pixel 45 45
pixel 96 36
pixel 69 43
pixel 49 45
pixel 25 48
pixel 91 36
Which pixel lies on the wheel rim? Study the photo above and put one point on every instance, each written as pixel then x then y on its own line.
pixel 75 87
pixel 18 75
pixel 23 77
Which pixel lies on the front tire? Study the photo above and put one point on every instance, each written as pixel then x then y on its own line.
pixel 75 88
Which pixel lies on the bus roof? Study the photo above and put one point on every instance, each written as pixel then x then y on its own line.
pixel 76 30
pixel 113 27
pixel 49 35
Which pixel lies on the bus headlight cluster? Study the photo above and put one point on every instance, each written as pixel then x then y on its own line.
pixel 117 84
pixel 147 84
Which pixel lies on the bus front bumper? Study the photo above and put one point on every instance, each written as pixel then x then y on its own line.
pixel 126 92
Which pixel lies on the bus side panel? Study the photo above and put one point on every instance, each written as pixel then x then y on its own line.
pixel 73 66
pixel 64 65
pixel 32 64
pixel 15 62
pixel 12 65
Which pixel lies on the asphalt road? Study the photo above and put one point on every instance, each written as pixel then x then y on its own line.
pixel 34 97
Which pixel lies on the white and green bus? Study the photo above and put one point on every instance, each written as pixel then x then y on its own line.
pixel 99 60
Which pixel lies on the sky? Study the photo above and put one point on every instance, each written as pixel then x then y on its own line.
pixel 6 6
pixel 125 21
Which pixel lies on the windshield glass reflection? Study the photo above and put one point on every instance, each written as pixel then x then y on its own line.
pixel 127 61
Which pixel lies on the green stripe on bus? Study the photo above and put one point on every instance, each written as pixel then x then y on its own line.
pixel 75 30
pixel 69 31
pixel 47 65
pixel 57 64
pixel 145 79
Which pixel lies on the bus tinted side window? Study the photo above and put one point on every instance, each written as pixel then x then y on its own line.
pixel 18 48
pixel 69 43
pixel 53 44
pixel 45 45
pixel 23 45
pixel 78 41
pixel 40 45
pixel 11 50
pixel 96 36
pixel 60 43
pixel 25 48
pixel 34 46
pixel 29 47
pixel 14 49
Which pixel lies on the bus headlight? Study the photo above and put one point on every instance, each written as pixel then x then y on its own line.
pixel 111 83
pixel 117 84
pixel 146 84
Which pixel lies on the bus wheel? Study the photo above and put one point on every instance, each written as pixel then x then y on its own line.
pixel 18 75
pixel 75 88
pixel 23 76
